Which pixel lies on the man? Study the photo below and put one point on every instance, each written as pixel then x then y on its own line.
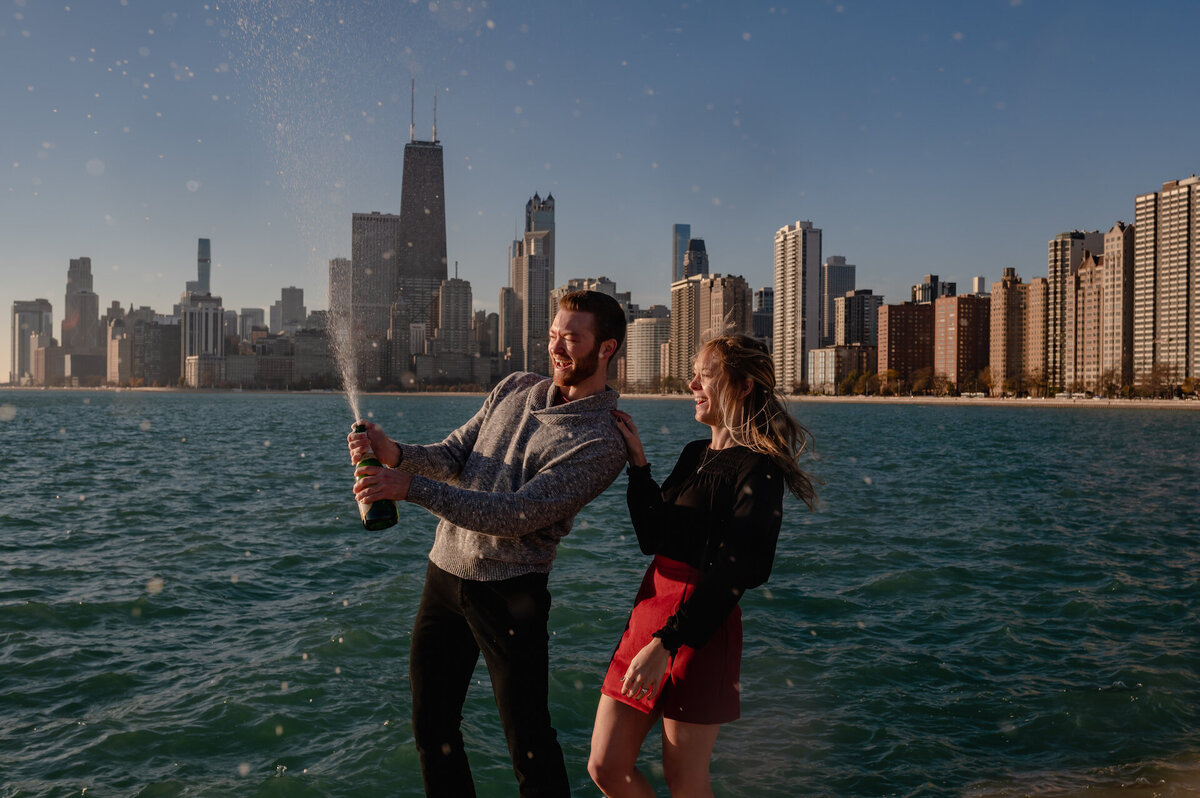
pixel 506 486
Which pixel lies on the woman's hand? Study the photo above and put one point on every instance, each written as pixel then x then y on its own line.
pixel 644 677
pixel 373 483
pixel 373 440
pixel 637 455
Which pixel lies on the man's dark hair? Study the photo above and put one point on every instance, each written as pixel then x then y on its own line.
pixel 606 311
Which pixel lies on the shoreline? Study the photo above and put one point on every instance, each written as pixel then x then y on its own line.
pixel 960 401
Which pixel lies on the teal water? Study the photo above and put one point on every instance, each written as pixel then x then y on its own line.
pixel 988 602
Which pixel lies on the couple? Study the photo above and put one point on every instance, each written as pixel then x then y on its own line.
pixel 506 487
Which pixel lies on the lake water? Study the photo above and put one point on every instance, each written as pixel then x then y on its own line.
pixel 989 601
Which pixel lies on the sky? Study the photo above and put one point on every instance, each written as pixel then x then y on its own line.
pixel 954 138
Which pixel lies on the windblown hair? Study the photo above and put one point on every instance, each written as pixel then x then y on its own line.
pixel 606 312
pixel 759 420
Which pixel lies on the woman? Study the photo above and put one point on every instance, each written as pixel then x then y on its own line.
pixel 712 529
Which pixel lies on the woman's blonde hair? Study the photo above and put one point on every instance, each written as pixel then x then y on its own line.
pixel 757 418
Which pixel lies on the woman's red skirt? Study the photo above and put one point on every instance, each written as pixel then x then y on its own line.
pixel 701 684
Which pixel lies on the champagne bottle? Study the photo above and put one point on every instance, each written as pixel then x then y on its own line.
pixel 380 514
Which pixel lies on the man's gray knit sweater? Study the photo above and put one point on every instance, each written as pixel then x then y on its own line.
pixel 508 483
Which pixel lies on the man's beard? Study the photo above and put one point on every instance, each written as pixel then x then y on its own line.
pixel 581 370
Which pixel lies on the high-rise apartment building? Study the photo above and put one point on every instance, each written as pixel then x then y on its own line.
pixel 644 344
pixel 905 340
pixel 81 332
pixel 1066 252
pixel 961 338
pixel 1037 345
pixel 1006 361
pixel 1116 344
pixel 685 326
pixel 1166 335
pixel 1082 325
pixel 724 305
pixel 856 318
pixel 703 307
pixel 979 285
pixel 797 301
pixel 680 235
pixel 837 277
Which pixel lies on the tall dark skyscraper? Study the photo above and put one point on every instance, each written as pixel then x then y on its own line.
pixel 421 250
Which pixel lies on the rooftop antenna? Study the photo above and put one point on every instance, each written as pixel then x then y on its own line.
pixel 435 114
pixel 412 110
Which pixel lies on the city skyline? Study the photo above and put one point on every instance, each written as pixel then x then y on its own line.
pixel 133 130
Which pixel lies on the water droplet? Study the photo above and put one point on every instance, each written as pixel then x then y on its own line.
pixel 266 443
pixel 233 579
pixel 154 586
pixel 283 687
pixel 144 426
pixel 8 412
pixel 244 769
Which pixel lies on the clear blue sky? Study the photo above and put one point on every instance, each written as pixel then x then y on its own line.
pixel 949 137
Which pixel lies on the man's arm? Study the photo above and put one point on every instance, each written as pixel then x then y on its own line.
pixel 558 491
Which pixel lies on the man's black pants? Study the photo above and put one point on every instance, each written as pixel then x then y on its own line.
pixel 506 621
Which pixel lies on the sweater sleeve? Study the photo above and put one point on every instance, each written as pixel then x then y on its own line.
pixel 739 560
pixel 558 491
pixel 443 461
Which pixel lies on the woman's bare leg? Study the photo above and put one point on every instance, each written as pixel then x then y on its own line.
pixel 687 751
pixel 617 738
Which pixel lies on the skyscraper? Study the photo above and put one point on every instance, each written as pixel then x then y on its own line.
pixel 1116 346
pixel 29 319
pixel 797 301
pixel 81 311
pixel 1065 254
pixel 1166 335
pixel 680 235
pixel 703 307
pixel 837 277
pixel 372 276
pixel 539 216
pixel 1036 341
pixel 202 283
pixel 695 258
pixel 644 344
pixel 531 277
pixel 455 318
pixel 1082 325
pixel 421 250
pixel 1007 357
